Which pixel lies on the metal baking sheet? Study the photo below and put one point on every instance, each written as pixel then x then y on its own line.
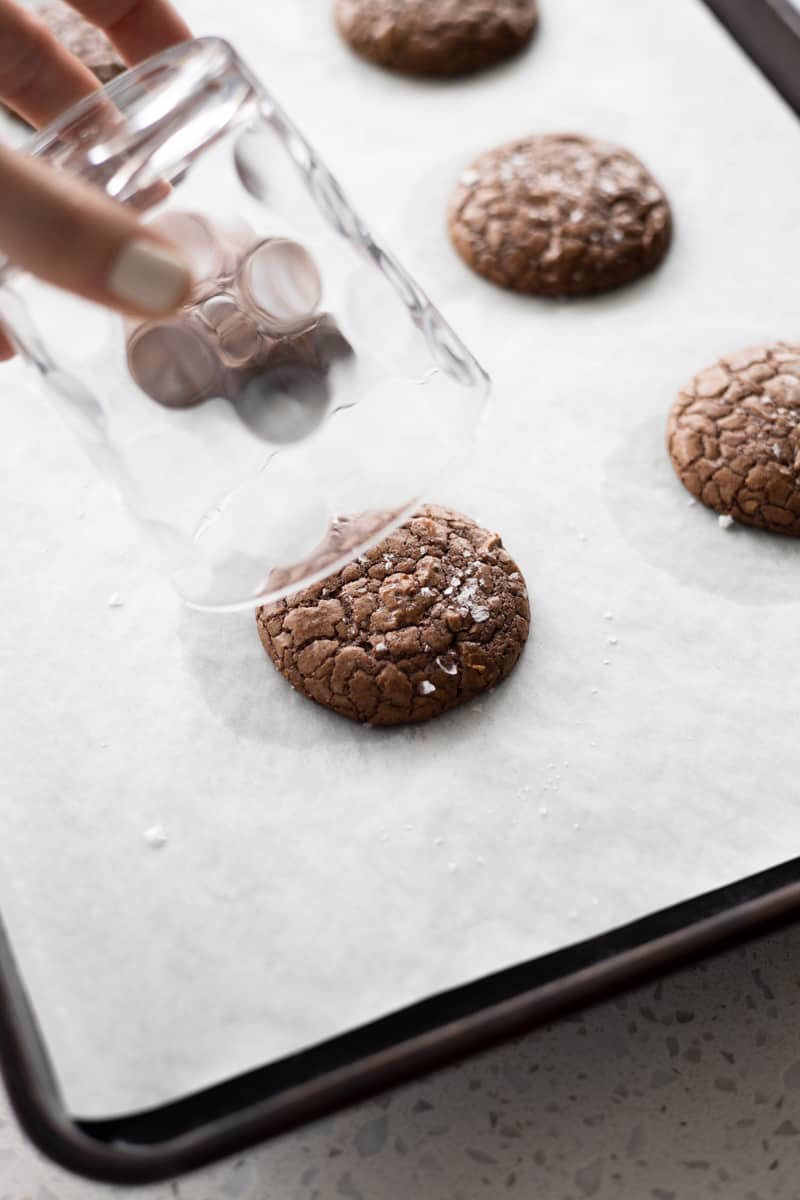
pixel 318 876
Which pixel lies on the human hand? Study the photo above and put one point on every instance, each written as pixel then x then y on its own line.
pixel 62 230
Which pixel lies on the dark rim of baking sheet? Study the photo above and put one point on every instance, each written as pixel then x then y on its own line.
pixel 224 1120
pixel 149 1147
pixel 769 31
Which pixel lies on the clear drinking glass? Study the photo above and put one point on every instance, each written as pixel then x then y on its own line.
pixel 303 401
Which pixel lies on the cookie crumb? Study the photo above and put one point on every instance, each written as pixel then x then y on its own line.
pixel 115 601
pixel 724 520
pixel 155 836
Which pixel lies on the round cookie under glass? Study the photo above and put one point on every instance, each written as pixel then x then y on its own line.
pixel 430 619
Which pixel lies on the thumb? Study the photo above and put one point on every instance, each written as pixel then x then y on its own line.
pixel 72 235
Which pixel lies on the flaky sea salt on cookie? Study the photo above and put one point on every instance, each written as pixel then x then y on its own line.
pixel 432 617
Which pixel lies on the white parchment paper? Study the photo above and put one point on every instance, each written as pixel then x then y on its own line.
pixel 318 875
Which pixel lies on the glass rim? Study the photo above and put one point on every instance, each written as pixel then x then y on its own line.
pixel 211 57
pixel 154 104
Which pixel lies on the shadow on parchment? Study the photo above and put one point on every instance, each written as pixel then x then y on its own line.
pixel 652 510
pixel 242 688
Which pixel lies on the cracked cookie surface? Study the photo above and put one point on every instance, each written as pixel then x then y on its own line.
pixel 734 437
pixel 559 215
pixel 444 38
pixel 432 617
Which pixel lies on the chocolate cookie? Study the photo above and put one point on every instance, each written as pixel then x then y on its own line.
pixel 436 37
pixel 81 38
pixel 734 437
pixel 559 215
pixel 429 619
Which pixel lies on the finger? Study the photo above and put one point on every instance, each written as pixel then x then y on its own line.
pixel 73 236
pixel 38 77
pixel 138 28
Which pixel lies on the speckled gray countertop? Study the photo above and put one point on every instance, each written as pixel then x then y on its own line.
pixel 685 1089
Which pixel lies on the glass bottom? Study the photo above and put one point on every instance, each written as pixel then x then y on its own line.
pixel 345 539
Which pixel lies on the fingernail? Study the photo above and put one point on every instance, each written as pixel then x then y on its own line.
pixel 149 277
